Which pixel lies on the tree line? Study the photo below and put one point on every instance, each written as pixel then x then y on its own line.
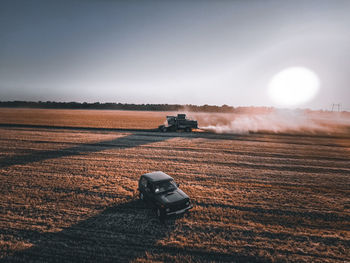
pixel 131 106
pixel 114 106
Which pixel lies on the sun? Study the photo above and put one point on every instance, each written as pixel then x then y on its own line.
pixel 293 86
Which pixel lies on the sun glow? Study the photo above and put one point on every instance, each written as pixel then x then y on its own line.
pixel 293 86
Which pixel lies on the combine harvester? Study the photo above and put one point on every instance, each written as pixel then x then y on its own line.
pixel 178 123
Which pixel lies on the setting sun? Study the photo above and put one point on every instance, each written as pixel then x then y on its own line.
pixel 293 86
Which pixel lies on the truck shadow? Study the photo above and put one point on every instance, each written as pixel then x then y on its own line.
pixel 129 141
pixel 120 233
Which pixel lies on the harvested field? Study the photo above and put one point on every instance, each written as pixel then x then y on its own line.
pixel 70 194
pixel 83 118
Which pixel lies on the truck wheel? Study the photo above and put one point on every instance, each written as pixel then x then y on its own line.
pixel 188 129
pixel 164 129
pixel 141 196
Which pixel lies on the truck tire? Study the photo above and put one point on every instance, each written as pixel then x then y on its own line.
pixel 188 129
pixel 163 129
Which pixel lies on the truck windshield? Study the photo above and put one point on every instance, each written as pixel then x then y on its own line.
pixel 165 186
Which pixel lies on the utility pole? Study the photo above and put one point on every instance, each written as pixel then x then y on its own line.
pixel 336 106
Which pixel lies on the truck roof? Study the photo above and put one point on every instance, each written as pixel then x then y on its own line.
pixel 157 176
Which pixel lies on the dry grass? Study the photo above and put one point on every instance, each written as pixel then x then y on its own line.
pixel 69 195
pixel 84 118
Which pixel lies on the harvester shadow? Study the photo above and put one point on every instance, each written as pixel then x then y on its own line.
pixel 129 141
pixel 120 233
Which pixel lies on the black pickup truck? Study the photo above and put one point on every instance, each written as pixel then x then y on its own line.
pixel 161 191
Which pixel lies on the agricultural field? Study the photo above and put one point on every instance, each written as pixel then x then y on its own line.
pixel 68 191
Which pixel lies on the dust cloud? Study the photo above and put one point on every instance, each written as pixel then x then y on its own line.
pixel 275 121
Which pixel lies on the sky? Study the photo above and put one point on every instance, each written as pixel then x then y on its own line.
pixel 175 52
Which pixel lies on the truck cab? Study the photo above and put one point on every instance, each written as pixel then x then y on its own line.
pixel 160 191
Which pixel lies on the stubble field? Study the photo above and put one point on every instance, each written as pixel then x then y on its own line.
pixel 68 191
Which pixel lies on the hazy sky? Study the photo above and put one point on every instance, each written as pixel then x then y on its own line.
pixel 187 52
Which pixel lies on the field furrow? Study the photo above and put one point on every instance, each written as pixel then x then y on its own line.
pixel 71 195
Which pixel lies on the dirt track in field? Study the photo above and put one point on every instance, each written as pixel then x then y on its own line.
pixel 70 195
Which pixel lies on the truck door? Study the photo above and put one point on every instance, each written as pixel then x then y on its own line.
pixel 149 191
